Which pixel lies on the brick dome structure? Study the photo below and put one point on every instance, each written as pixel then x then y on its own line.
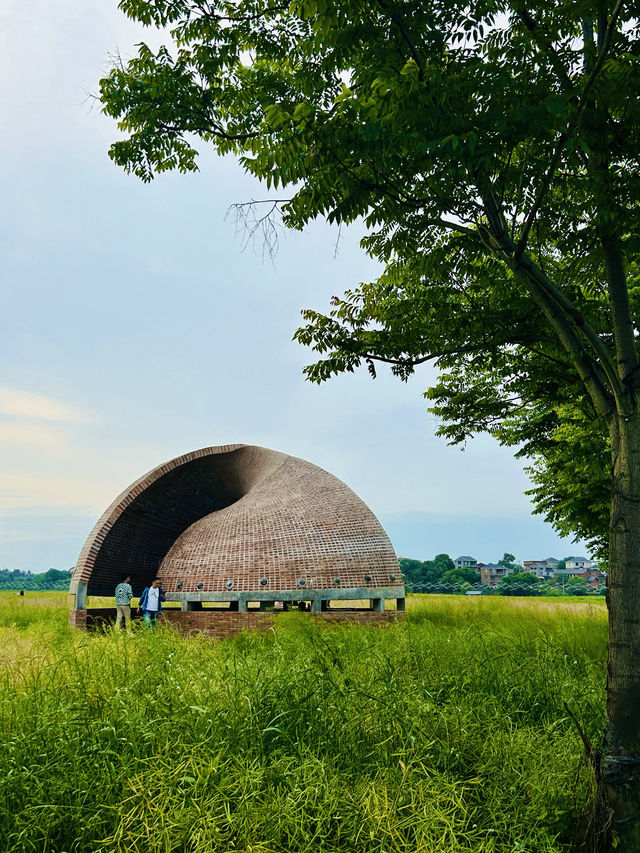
pixel 240 524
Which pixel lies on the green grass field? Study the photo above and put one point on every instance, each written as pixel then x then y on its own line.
pixel 446 733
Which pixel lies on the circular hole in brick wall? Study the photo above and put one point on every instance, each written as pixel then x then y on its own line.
pixel 301 581
pixel 392 577
pixel 229 584
pixel 179 585
pixel 263 581
pixel 200 585
pixel 336 581
pixel 367 578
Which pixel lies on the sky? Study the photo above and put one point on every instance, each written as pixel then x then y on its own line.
pixel 137 327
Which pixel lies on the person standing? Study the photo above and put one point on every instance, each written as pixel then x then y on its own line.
pixel 124 593
pixel 151 603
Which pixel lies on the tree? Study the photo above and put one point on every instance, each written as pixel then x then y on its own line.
pixel 491 148
pixel 427 572
pixel 520 583
pixel 462 575
pixel 443 563
pixel 509 562
pixel 412 570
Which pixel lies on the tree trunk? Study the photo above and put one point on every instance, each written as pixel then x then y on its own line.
pixel 618 768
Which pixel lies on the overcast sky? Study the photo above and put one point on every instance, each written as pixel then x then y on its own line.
pixel 136 328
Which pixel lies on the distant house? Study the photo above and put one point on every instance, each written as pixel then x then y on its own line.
pixel 465 563
pixel 493 573
pixel 575 566
pixel 594 578
pixel 543 569
pixel 580 564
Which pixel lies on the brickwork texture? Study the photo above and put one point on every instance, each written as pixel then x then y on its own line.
pixel 237 519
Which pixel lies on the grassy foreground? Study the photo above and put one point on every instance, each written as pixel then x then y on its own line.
pixel 447 733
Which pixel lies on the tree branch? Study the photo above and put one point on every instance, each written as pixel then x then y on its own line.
pixel 599 165
pixel 623 329
pixel 546 46
pixel 564 136
pixel 397 20
pixel 586 368
pixel 597 373
pixel 413 362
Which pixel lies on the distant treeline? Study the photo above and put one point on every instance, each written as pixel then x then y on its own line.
pixel 51 579
pixel 440 575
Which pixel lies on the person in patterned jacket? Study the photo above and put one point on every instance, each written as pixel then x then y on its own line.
pixel 124 593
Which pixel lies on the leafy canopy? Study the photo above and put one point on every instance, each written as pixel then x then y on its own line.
pixel 491 150
pixel 427 571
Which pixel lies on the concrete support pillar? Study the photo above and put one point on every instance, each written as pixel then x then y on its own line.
pixel 242 606
pixel 316 605
pixel 78 595
pixel 377 604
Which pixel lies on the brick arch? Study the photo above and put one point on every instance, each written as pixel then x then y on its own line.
pixel 138 528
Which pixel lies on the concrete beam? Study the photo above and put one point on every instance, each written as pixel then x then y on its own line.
pixel 301 594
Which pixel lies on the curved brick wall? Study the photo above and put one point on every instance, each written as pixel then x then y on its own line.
pixel 238 515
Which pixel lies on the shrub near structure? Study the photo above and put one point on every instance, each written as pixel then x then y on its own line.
pixel 447 732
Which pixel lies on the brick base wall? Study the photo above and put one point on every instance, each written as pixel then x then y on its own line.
pixel 77 618
pixel 226 623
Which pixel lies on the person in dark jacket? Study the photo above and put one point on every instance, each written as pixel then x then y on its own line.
pixel 150 603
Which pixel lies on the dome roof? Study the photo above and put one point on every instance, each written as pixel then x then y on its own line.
pixel 295 526
pixel 235 519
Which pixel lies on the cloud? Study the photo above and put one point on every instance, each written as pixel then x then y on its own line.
pixel 33 435
pixel 25 491
pixel 25 404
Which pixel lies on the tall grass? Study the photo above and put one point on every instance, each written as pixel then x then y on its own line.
pixel 447 733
